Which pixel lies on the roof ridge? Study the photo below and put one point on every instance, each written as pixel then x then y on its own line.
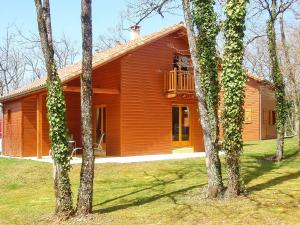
pixel 71 71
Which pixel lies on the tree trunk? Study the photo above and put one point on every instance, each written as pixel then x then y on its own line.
pixel 280 145
pixel 297 120
pixel 213 165
pixel 291 75
pixel 298 124
pixel 299 129
pixel 62 189
pixel 85 193
pixel 205 20
pixel 233 80
pixel 56 110
pixel 278 81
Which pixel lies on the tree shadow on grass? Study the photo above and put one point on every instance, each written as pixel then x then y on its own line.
pixel 257 166
pixel 275 181
pixel 254 166
pixel 158 183
pixel 147 199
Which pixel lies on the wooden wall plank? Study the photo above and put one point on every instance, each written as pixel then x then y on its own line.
pixel 268 104
pixel 146 112
pixel 29 128
pixel 12 128
pixel 39 126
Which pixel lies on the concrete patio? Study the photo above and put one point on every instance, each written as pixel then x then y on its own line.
pixel 128 159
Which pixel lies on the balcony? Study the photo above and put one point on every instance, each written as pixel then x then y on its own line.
pixel 178 83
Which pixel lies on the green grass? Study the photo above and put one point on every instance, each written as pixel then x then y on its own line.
pixel 166 192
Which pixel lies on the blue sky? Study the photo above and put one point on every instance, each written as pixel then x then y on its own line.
pixel 66 17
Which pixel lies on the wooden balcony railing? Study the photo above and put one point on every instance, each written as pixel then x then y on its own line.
pixel 178 82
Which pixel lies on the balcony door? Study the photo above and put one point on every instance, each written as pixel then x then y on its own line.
pixel 181 134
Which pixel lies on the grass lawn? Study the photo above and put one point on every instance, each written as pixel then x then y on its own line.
pixel 166 192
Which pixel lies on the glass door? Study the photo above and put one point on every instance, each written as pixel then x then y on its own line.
pixel 181 126
pixel 100 125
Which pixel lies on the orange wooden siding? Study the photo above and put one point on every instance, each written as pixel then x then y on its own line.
pixel 30 123
pixel 29 108
pixel 139 119
pixel 251 128
pixel 268 105
pixel 146 113
pixel 12 132
pixel 74 124
pixel 73 116
pixel 252 104
pixel 45 128
pixel 108 77
pixel 112 104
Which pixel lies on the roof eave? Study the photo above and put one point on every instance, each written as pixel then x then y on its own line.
pixel 95 65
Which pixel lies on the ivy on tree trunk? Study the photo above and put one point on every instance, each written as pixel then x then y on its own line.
pixel 56 108
pixel 233 81
pixel 276 74
pixel 205 20
pixel 213 165
pixel 291 73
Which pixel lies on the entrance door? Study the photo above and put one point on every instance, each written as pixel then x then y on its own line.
pixel 100 125
pixel 181 126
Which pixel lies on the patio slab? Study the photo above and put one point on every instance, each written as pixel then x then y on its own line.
pixel 127 159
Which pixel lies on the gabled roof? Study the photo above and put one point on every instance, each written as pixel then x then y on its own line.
pixel 100 58
pixel 259 79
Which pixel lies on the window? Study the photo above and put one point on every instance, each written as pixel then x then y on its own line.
pixel 273 118
pixel 248 115
pixel 101 123
pixel 181 62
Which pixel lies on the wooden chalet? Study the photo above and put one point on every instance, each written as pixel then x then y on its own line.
pixel 143 100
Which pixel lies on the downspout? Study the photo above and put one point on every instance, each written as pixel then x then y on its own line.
pixel 260 113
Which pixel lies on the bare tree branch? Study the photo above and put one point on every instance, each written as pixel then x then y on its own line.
pixel 254 38
pixel 12 64
pixel 144 9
